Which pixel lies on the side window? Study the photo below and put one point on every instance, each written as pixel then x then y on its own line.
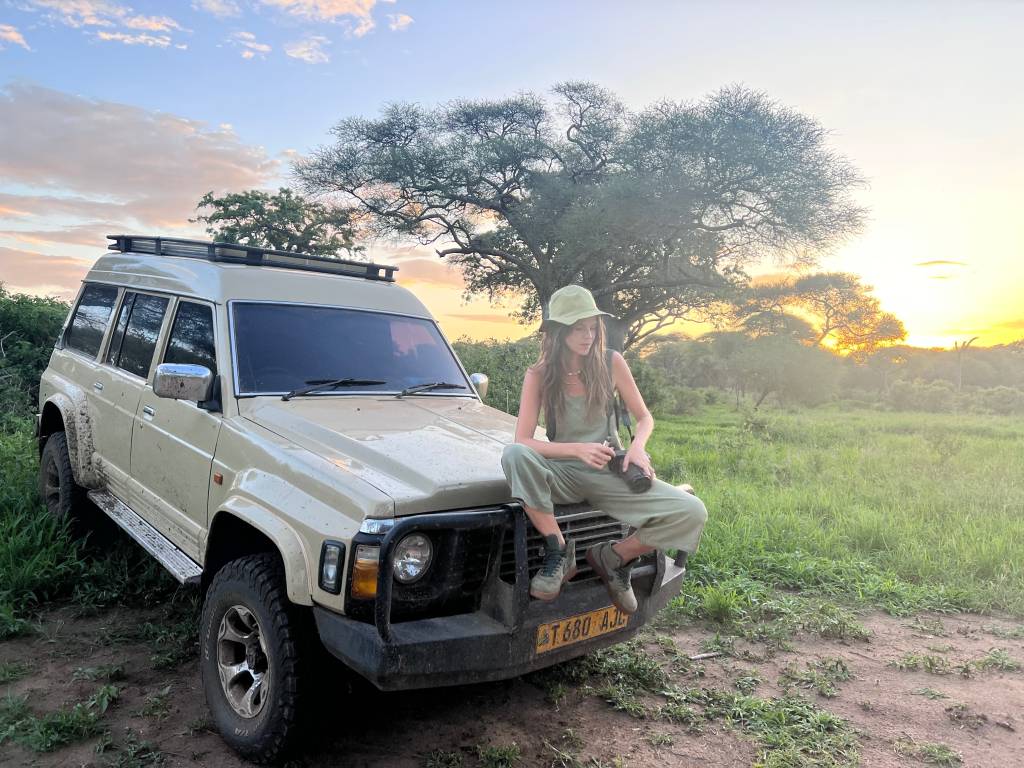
pixel 191 339
pixel 85 333
pixel 122 323
pixel 145 316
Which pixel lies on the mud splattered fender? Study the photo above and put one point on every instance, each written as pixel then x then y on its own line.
pixel 287 541
pixel 74 411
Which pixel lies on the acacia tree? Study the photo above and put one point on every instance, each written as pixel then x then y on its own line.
pixel 657 212
pixel 839 307
pixel 283 221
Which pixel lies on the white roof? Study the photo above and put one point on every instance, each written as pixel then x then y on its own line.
pixel 220 282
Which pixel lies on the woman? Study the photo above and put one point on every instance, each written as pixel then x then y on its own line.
pixel 571 382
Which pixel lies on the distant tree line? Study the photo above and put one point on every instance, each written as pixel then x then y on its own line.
pixel 679 375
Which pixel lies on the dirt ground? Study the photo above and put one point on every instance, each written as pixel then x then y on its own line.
pixel 357 726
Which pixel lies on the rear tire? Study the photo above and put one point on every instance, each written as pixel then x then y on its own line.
pixel 65 499
pixel 251 638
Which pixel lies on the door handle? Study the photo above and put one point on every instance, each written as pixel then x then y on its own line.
pixel 98 386
pixel 148 410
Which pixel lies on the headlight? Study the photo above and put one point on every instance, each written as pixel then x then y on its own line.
pixel 412 558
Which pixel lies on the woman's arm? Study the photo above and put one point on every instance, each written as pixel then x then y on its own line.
pixel 635 404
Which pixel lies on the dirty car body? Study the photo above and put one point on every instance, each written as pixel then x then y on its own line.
pixel 379 508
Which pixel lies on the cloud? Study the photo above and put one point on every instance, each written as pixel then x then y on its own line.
pixel 940 263
pixel 940 277
pixel 222 9
pixel 252 48
pixel 482 318
pixel 92 235
pixel 87 159
pixel 23 206
pixel 9 34
pixel 27 272
pixel 427 271
pixel 1015 324
pixel 150 41
pixel 309 50
pixel 99 13
pixel 399 21
pixel 325 10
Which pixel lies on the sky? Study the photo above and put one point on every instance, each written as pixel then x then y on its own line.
pixel 118 117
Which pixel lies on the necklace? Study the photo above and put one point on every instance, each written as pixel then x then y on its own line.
pixel 574 373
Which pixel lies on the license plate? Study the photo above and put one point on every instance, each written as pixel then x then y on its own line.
pixel 576 629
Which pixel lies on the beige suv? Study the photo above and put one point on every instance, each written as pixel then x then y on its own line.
pixel 294 436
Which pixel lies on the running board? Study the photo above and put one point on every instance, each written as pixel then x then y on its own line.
pixel 181 566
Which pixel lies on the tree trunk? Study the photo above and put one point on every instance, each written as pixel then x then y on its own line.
pixel 615 333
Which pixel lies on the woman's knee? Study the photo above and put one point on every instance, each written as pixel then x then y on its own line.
pixel 515 454
pixel 694 509
pixel 701 511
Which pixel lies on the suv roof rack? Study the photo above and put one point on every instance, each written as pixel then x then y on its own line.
pixel 233 253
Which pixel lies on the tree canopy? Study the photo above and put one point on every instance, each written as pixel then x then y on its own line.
pixel 656 211
pixel 283 221
pixel 832 308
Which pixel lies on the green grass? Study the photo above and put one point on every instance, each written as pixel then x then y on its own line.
pixel 790 731
pixel 41 562
pixel 927 752
pixel 820 675
pixel 870 507
pixel 47 732
pixel 503 756
pixel 11 671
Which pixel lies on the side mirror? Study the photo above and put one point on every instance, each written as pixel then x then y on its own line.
pixel 480 381
pixel 182 382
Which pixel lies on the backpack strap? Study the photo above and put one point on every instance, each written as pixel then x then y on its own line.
pixel 614 403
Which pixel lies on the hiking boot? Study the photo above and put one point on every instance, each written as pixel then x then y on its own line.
pixel 558 567
pixel 615 575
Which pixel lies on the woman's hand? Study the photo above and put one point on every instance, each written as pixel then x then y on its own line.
pixel 596 455
pixel 637 455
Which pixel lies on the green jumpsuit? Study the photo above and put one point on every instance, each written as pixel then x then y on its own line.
pixel 664 517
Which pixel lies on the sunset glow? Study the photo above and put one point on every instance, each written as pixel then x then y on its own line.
pixel 117 118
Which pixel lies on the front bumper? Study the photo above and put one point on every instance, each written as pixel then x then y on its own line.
pixel 496 642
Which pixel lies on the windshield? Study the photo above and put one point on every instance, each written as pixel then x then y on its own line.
pixel 282 347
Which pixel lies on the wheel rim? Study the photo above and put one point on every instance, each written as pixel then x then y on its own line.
pixel 242 661
pixel 51 486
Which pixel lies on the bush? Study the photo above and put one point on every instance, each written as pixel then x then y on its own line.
pixel 936 397
pixel 29 325
pixel 504 362
pixel 1003 401
pixel 683 401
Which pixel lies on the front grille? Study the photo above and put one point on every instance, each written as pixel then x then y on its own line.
pixel 587 526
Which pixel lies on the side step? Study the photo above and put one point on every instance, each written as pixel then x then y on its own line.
pixel 181 566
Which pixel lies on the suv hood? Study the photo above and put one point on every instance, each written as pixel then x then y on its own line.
pixel 427 453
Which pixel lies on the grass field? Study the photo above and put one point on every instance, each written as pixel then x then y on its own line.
pixel 902 511
pixel 817 517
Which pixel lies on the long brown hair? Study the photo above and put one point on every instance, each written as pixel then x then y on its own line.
pixel 553 364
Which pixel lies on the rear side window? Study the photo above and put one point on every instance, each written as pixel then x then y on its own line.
pixel 90 320
pixel 191 339
pixel 138 327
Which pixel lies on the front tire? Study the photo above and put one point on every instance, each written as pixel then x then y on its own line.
pixel 250 657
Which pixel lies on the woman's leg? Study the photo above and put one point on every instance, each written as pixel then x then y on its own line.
pixel 631 548
pixel 545 523
pixel 540 484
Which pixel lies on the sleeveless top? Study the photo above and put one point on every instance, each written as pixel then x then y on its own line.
pixel 575 427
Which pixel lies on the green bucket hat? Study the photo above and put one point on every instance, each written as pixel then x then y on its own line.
pixel 569 304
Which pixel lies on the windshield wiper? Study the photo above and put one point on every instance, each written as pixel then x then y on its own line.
pixel 318 384
pixel 429 385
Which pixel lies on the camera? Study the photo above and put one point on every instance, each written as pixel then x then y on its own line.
pixel 634 477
